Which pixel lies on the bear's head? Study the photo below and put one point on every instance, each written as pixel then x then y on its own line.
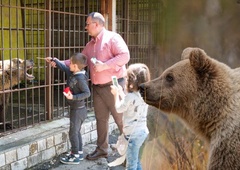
pixel 14 71
pixel 198 89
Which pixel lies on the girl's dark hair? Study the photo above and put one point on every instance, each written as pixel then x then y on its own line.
pixel 137 74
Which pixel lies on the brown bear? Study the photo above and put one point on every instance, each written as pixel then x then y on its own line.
pixel 12 72
pixel 205 93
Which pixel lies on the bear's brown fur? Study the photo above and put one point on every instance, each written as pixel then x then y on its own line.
pixel 12 72
pixel 205 93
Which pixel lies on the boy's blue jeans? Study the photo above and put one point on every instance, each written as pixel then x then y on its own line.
pixel 77 118
pixel 134 145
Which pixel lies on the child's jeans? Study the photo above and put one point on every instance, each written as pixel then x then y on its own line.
pixel 134 145
pixel 77 118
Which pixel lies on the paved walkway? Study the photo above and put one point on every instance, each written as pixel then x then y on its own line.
pixel 100 164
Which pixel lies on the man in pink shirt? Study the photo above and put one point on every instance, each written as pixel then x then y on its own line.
pixel 112 54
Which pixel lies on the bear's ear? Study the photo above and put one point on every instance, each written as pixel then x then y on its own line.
pixel 199 60
pixel 186 52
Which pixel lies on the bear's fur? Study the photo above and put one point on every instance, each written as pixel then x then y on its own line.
pixel 205 93
pixel 12 72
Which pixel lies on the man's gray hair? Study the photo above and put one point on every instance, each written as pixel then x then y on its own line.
pixel 97 16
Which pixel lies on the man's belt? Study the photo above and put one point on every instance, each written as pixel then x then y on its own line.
pixel 109 83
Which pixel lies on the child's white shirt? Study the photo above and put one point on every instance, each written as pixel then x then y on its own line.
pixel 134 111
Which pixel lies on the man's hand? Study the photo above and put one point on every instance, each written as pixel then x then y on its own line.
pixel 100 66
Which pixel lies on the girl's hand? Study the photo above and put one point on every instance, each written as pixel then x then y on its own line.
pixel 68 95
pixel 114 90
pixel 117 91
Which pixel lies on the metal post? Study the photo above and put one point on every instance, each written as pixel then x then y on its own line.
pixel 48 53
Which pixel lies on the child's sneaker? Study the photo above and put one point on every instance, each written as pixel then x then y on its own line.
pixel 81 157
pixel 79 152
pixel 71 159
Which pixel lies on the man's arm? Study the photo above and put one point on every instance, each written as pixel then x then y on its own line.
pixel 121 55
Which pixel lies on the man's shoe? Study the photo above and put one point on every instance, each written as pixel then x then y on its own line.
pixel 97 154
pixel 71 159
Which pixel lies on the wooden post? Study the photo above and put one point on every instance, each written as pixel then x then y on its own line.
pixel 106 11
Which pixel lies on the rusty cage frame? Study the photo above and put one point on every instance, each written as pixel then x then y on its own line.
pixel 38 28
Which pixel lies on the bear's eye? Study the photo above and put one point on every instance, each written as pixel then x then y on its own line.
pixel 169 78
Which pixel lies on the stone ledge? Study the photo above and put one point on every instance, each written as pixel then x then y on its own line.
pixel 27 148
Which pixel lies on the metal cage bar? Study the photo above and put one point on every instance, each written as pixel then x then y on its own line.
pixel 56 28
